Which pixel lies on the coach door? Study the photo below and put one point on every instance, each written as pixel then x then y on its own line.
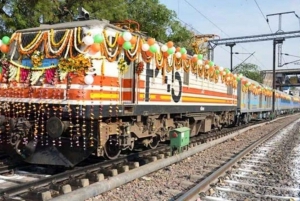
pixel 129 83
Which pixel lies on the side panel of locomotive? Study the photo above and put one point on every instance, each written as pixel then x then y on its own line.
pixel 68 98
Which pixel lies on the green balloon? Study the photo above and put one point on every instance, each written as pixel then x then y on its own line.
pixel 127 45
pixel 170 51
pixel 98 38
pixel 153 48
pixel 217 72
pixel 238 79
pixel 183 50
pixel 5 40
pixel 227 70
pixel 211 63
pixel 200 56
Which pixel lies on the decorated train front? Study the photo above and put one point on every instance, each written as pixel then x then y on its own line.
pixel 88 87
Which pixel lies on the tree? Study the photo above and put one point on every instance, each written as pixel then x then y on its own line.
pixel 154 18
pixel 251 71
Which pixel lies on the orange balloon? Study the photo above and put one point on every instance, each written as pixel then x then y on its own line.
pixel 165 54
pixel 183 56
pixel 95 47
pixel 149 54
pixel 170 44
pixel 120 40
pixel 4 48
pixel 133 40
pixel 151 41
pixel 178 49
pixel 194 59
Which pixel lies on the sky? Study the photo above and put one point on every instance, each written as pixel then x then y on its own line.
pixel 234 18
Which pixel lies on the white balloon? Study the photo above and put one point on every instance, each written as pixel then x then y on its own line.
pixel 145 47
pixel 164 48
pixel 206 66
pixel 0 42
pixel 195 55
pixel 221 68
pixel 157 46
pixel 88 40
pixel 127 36
pixel 178 55
pixel 174 49
pixel 234 75
pixel 199 62
pixel 88 79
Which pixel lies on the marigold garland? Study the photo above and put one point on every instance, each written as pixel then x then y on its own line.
pixel 122 66
pixel 139 68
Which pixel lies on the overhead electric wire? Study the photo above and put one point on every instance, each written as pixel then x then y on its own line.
pixel 263 15
pixel 216 26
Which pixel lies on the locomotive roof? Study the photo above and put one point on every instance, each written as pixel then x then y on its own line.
pixel 66 25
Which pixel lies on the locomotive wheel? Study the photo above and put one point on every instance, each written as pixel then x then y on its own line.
pixel 155 142
pixel 112 149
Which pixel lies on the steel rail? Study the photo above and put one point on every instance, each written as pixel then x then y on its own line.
pixel 204 185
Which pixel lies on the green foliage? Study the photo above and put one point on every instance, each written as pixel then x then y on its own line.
pixel 155 19
pixel 249 70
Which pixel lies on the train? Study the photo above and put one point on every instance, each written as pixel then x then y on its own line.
pixel 82 88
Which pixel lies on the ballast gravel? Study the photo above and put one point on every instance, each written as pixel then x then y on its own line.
pixel 167 183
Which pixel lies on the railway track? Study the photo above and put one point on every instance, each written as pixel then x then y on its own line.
pixel 45 187
pixel 266 170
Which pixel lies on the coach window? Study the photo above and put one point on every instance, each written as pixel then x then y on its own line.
pixel 186 77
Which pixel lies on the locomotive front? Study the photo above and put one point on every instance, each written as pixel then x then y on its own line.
pixel 47 115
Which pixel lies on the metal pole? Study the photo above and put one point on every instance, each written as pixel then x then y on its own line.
pixel 231 58
pixel 231 53
pixel 274 77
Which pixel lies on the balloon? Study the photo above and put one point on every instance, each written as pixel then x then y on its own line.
pixel 165 54
pixel 183 50
pixel 149 54
pixel 164 48
pixel 184 56
pixel 234 75
pixel 4 48
pixel 200 62
pixel 170 44
pixel 98 38
pixel 5 40
pixel 127 45
pixel 217 72
pixel 133 40
pixel 120 40
pixel 173 49
pixel 206 66
pixel 238 79
pixel 170 51
pixel 1 42
pixel 88 40
pixel 240 75
pixel 200 56
pixel 211 63
pixel 178 49
pixel 127 36
pixel 88 79
pixel 178 55
pixel 153 48
pixel 194 59
pixel 221 68
pixel 145 47
pixel 151 41
pixel 95 47
pixel 157 46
